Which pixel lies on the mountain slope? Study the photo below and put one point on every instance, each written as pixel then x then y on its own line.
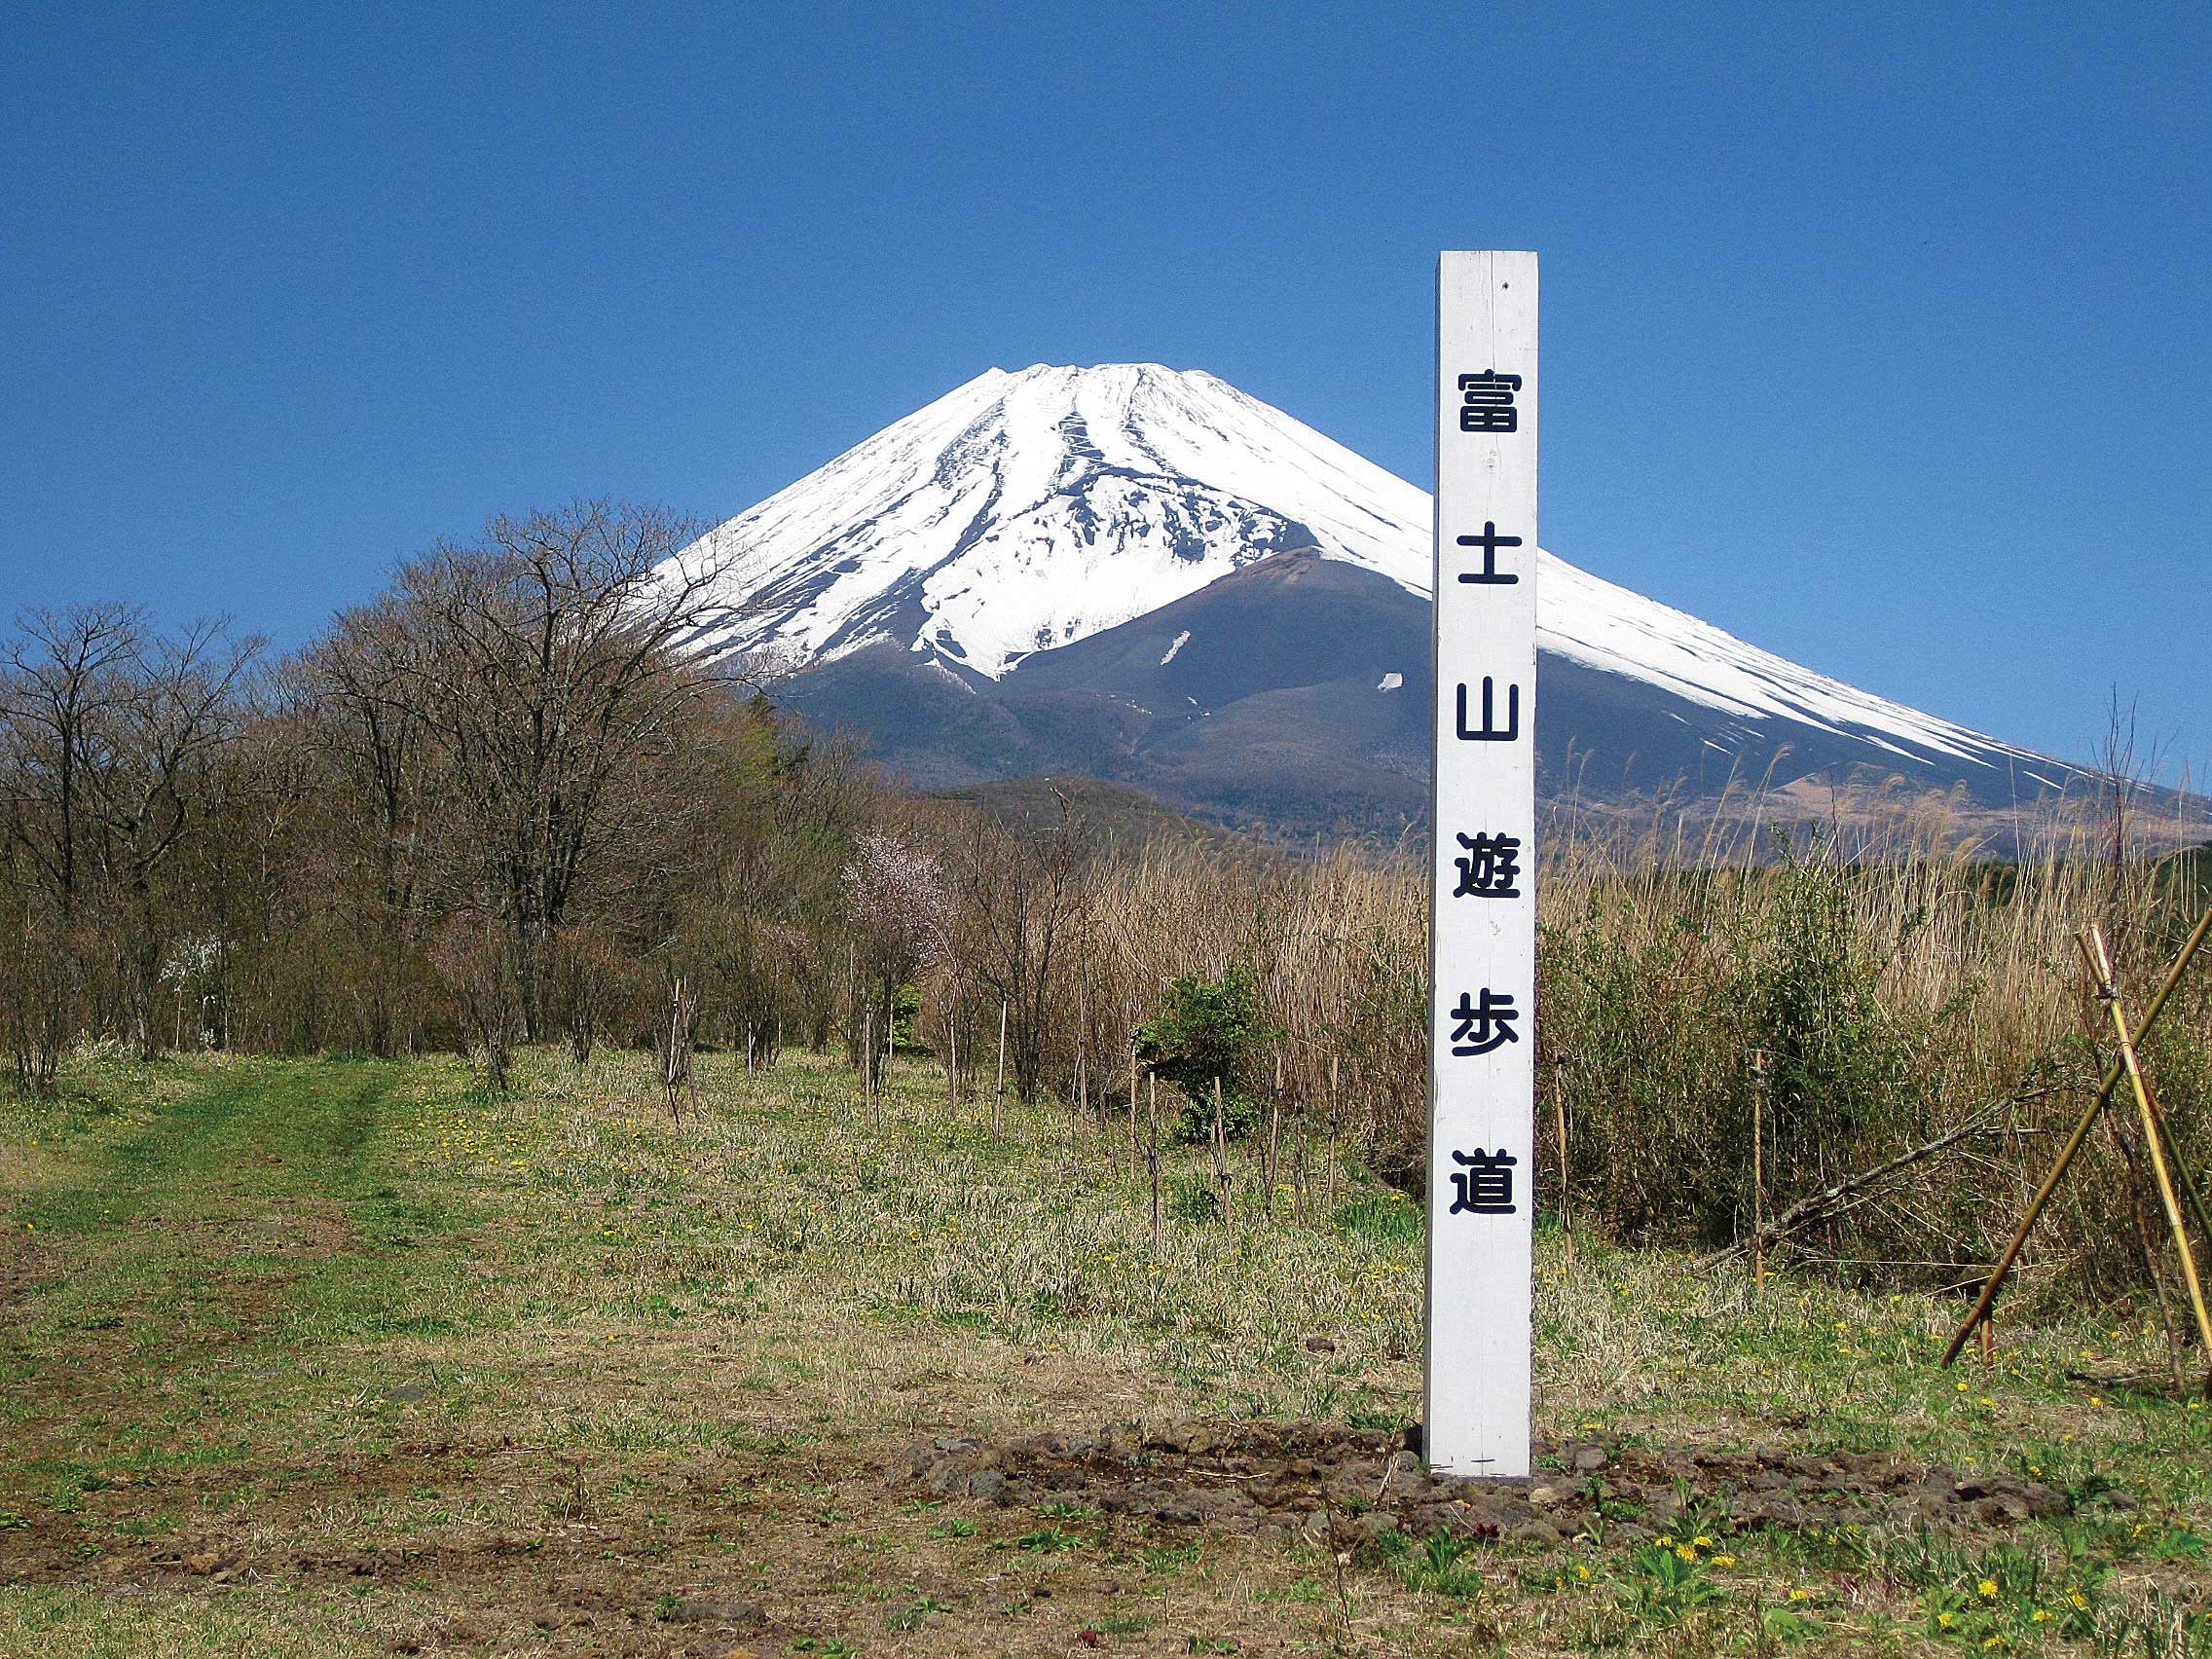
pixel 1146 574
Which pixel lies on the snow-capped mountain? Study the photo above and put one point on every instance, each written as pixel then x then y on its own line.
pixel 987 584
pixel 1024 511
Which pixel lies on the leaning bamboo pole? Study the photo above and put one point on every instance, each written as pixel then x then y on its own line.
pixel 2093 949
pixel 1994 1282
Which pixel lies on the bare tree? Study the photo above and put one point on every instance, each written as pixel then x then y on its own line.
pixel 360 683
pixel 549 664
pixel 1019 892
pixel 113 736
pixel 64 676
pixel 38 1006
pixel 154 781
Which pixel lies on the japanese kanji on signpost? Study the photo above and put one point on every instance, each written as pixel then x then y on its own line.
pixel 1483 962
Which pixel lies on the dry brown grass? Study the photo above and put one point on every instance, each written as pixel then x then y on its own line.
pixel 1894 980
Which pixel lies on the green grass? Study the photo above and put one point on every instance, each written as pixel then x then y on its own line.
pixel 308 1313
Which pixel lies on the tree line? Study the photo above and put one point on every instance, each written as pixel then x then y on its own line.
pixel 522 796
pixel 516 798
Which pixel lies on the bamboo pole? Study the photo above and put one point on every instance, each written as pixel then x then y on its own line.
pixel 1758 1169
pixel 1994 1282
pixel 2101 965
pixel 2189 1187
pixel 2147 1247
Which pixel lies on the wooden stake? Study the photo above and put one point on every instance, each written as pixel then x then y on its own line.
pixel 1136 1143
pixel 1994 1282
pixel 1758 1169
pixel 1219 1153
pixel 1275 1131
pixel 1152 1158
pixel 1566 1209
pixel 1329 1209
pixel 998 1097
pixel 2101 965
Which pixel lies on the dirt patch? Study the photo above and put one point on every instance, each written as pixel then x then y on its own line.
pixel 1277 1479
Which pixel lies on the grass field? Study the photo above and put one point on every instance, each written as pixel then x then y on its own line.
pixel 344 1358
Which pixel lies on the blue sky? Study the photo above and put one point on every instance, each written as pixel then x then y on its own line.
pixel 1877 335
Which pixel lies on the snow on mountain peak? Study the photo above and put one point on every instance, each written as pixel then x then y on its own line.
pixel 1022 511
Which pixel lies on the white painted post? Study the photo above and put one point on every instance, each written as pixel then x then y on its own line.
pixel 1483 905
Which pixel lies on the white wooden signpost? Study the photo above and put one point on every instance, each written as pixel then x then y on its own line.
pixel 1483 902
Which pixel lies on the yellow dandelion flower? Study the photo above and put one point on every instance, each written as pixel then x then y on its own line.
pixel 1724 1560
pixel 1946 1620
pixel 1987 1589
pixel 1800 1595
pixel 1686 1552
pixel 2042 1615
pixel 1702 1541
pixel 2079 1600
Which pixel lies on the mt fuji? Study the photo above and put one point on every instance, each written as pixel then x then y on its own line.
pixel 1144 574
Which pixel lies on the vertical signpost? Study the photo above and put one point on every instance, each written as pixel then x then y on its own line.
pixel 1483 900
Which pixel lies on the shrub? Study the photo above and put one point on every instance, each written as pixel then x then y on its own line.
pixel 1208 1030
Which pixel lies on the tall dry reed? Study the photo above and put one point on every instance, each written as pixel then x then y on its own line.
pixel 1866 988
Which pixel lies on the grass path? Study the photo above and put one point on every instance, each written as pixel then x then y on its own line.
pixel 341 1358
pixel 176 1294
